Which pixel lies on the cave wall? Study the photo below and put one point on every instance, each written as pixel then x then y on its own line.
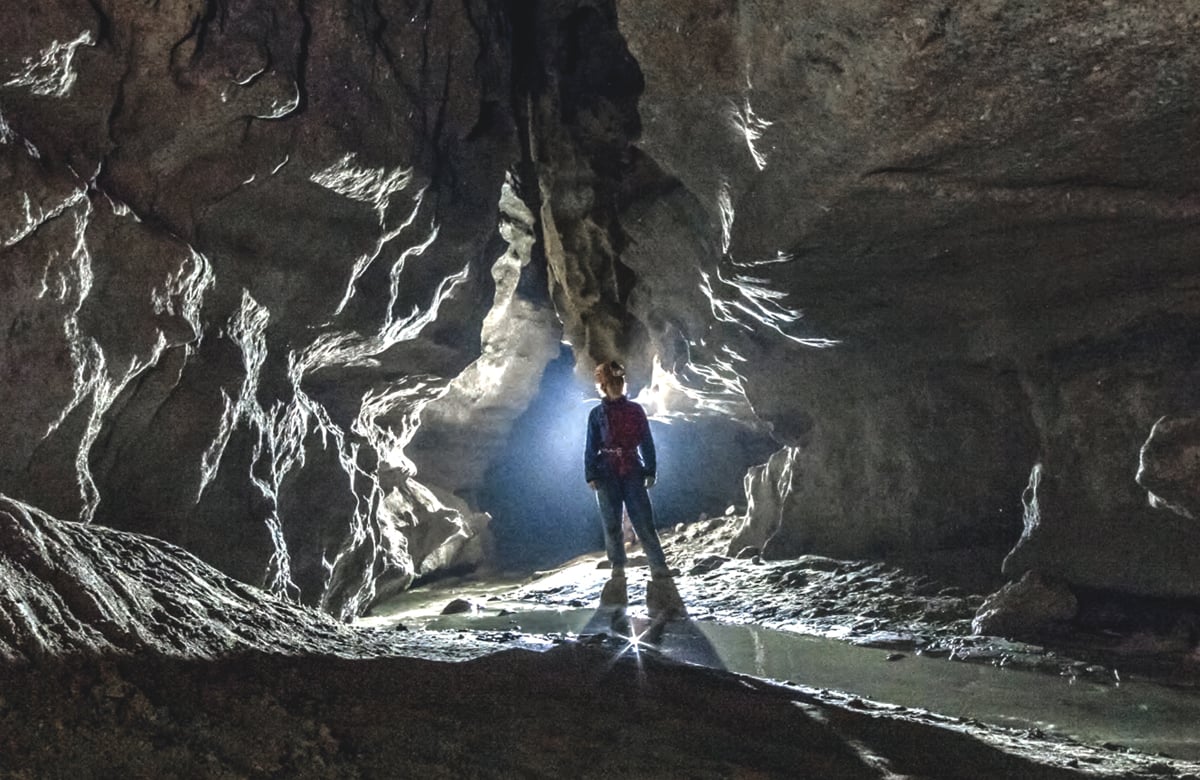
pixel 934 248
pixel 581 219
pixel 990 207
pixel 242 245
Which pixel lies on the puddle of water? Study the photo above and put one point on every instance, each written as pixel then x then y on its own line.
pixel 416 607
pixel 1146 717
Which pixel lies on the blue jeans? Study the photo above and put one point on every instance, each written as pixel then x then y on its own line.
pixel 629 491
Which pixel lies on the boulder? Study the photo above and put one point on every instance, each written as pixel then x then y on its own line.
pixel 708 563
pixel 461 607
pixel 1169 465
pixel 73 590
pixel 1025 608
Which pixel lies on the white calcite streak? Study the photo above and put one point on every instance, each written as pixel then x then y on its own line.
pixel 52 73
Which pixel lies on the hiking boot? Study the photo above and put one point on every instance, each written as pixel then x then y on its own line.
pixel 663 600
pixel 614 593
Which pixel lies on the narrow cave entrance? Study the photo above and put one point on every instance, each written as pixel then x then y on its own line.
pixel 543 513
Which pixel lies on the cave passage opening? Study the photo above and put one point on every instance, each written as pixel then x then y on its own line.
pixel 544 513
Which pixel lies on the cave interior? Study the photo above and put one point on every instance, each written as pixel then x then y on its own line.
pixel 299 310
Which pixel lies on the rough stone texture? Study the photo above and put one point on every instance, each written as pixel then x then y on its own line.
pixel 241 246
pixel 146 660
pixel 990 207
pixel 584 88
pixel 462 430
pixel 514 714
pixel 245 248
pixel 768 492
pixel 927 246
pixel 1169 462
pixel 582 267
pixel 74 590
pixel 1025 608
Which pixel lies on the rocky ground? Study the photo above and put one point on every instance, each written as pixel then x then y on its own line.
pixel 875 604
pixel 570 711
pixel 864 603
pixel 127 657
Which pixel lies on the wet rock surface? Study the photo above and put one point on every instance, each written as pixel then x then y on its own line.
pixel 1025 608
pixel 822 595
pixel 257 687
pixel 1094 636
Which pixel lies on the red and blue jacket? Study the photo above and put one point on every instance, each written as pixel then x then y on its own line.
pixel 617 430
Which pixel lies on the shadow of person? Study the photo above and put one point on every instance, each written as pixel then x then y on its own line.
pixel 611 621
pixel 679 640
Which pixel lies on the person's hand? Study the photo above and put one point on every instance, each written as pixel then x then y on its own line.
pixel 593 485
pixel 649 482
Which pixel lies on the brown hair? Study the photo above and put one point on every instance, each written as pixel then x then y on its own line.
pixel 609 373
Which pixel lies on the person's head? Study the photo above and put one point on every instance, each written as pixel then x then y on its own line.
pixel 610 379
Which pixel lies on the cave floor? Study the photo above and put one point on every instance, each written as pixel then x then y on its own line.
pixel 862 631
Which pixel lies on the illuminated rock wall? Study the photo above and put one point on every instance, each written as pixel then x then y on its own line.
pixel 241 246
pixel 928 247
pixel 990 207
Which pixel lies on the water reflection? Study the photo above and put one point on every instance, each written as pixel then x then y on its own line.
pixel 1143 716
pixel 681 640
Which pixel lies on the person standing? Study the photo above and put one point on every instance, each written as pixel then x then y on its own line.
pixel 620 466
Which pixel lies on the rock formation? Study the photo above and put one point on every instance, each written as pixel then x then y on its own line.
pixel 1025 608
pixel 242 247
pixel 278 282
pixel 72 590
pixel 991 210
pixel 122 654
pixel 932 249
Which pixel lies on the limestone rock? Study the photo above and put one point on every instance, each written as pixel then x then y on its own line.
pixel 943 192
pixel 1025 608
pixel 69 589
pixel 239 255
pixel 1169 465
pixel 460 607
pixel 709 563
pixel 925 247
pixel 463 430
pixel 1151 554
